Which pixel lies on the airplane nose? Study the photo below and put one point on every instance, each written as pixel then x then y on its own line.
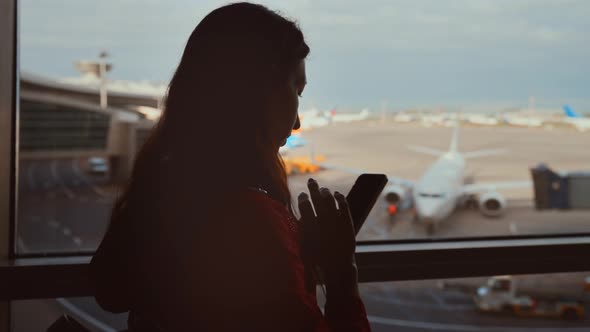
pixel 427 211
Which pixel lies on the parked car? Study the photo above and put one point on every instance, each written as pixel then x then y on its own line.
pixel 98 165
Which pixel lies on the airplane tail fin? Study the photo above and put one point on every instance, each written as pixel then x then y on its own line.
pixel 454 146
pixel 426 150
pixel 570 113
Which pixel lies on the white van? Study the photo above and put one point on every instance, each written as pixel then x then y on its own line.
pixel 98 165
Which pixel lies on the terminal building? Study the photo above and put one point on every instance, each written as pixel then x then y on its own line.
pixel 65 120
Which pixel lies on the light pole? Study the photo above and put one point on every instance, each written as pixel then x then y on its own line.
pixel 102 73
pixel 97 69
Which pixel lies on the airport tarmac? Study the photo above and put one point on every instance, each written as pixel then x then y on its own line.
pixel 382 148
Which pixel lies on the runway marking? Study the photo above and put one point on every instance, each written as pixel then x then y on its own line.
pixel 77 241
pixel 461 327
pixel 513 229
pixel 67 231
pixel 86 319
pixel 59 181
pixel 436 298
pixel 403 302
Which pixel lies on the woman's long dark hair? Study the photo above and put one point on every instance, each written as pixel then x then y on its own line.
pixel 212 141
pixel 213 135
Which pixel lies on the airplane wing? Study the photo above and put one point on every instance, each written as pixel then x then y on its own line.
pixel 426 150
pixel 392 179
pixel 477 188
pixel 483 153
pixel 400 181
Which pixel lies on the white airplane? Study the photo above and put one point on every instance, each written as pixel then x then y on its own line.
pixel 350 117
pixel 523 120
pixel 481 119
pixel 572 117
pixel 312 119
pixel 442 188
pixel 438 119
pixel 404 117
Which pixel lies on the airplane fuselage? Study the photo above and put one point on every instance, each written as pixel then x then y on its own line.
pixel 581 124
pixel 436 194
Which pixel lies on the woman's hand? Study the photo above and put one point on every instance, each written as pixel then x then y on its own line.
pixel 328 237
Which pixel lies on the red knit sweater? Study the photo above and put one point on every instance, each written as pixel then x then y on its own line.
pixel 242 271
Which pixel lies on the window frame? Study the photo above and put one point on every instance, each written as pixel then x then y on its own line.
pixel 8 126
pixel 64 275
pixel 8 100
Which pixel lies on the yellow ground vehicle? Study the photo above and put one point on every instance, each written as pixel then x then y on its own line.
pixel 302 164
pixel 527 306
pixel 499 295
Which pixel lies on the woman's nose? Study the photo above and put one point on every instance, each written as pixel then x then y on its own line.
pixel 297 124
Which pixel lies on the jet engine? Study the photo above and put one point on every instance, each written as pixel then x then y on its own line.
pixel 492 204
pixel 398 196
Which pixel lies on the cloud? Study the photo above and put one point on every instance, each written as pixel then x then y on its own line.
pixel 514 44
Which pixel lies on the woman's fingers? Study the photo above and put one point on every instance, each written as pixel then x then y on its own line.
pixel 343 207
pixel 342 204
pixel 329 238
pixel 305 207
pixel 322 199
pixel 316 198
pixel 328 203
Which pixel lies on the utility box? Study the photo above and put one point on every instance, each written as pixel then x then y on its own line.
pixel 579 190
pixel 551 189
pixel 560 191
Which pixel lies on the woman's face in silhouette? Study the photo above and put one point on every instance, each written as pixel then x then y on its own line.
pixel 284 103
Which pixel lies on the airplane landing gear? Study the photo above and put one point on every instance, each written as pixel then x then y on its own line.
pixel 392 212
pixel 469 202
pixel 414 216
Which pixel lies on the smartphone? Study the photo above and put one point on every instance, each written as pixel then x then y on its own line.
pixel 363 195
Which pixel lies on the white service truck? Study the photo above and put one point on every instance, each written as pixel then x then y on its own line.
pixel 500 295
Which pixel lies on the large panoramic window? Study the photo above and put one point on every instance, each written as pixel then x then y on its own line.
pixel 477 111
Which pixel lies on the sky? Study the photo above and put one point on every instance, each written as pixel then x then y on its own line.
pixel 376 53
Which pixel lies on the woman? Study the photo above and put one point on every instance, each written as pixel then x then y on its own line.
pixel 203 237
